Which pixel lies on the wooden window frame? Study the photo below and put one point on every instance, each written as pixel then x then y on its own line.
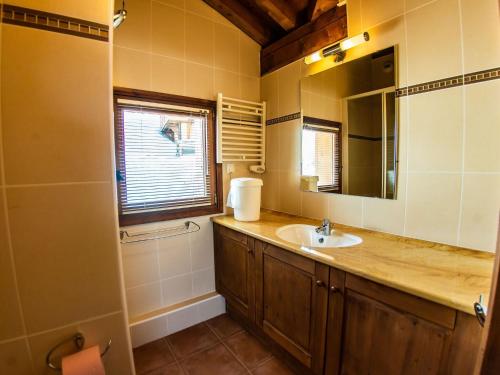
pixel 334 125
pixel 215 168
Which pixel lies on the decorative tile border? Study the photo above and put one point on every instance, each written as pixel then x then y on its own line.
pixel 277 120
pixel 445 83
pixel 54 22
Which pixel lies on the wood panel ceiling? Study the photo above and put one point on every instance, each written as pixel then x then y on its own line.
pixel 286 29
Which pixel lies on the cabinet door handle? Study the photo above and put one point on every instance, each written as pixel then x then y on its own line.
pixel 250 251
pixel 334 289
pixel 320 283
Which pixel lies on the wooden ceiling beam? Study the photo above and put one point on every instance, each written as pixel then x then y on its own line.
pixel 281 11
pixel 318 7
pixel 258 27
pixel 328 28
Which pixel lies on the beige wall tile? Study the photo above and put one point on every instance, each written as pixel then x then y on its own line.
pixel 14 358
pixel 174 256
pixel 482 130
pixel 226 47
pixel 481 33
pixel 437 24
pixel 140 263
pixel 199 81
pixel 436 131
pixel 168 31
pixel 203 282
pixel 387 215
pixel 288 89
pixel 249 56
pixel 10 323
pixel 131 68
pixel 143 299
pixel 91 10
pixel 269 94
pixel 250 88
pixel 433 207
pixel 202 245
pixel 414 4
pixel 289 192
pixel 374 12
pixel 289 145
pixel 49 142
pixel 354 22
pixel 314 205
pixel 199 39
pixel 177 289
pixel 345 209
pixel 228 83
pixel 167 75
pixel 480 210
pixel 135 32
pixel 56 269
pixel 271 190
pixel 199 7
pixel 272 147
pixel 176 3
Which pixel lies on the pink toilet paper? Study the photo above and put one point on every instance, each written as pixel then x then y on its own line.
pixel 85 362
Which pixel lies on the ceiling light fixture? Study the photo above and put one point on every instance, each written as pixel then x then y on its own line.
pixel 338 50
pixel 119 16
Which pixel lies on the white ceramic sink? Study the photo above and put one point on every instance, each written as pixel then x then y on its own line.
pixel 305 235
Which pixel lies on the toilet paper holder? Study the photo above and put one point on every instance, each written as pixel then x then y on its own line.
pixel 79 340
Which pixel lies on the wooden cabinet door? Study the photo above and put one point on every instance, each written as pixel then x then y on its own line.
pixel 293 297
pixel 234 269
pixel 389 332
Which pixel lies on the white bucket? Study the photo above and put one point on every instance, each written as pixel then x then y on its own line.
pixel 244 198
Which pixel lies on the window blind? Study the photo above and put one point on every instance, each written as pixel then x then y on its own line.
pixel 164 157
pixel 321 155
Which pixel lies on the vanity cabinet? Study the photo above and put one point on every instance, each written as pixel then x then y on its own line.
pixel 331 322
pixel 292 302
pixel 234 269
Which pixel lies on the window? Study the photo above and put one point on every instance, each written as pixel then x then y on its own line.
pixel 165 157
pixel 321 153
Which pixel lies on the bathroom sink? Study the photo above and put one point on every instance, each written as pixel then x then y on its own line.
pixel 305 235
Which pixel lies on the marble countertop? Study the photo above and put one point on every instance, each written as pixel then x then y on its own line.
pixel 448 275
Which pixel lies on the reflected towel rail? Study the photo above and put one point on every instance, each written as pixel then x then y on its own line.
pixel 187 227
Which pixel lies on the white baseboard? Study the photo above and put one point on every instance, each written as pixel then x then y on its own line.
pixel 165 324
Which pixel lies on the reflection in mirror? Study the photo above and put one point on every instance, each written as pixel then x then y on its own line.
pixel 349 132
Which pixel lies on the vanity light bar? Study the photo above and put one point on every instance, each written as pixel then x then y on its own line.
pixel 338 49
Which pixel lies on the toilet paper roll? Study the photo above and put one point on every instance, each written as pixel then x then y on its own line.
pixel 85 362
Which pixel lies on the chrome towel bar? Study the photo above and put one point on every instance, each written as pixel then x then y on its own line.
pixel 187 227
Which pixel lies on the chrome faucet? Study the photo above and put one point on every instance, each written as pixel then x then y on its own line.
pixel 325 228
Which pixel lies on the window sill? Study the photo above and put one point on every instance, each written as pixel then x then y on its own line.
pixel 151 217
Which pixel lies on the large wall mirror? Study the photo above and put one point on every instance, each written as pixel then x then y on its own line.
pixel 350 128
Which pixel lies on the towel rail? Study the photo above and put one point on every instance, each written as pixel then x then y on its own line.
pixel 188 227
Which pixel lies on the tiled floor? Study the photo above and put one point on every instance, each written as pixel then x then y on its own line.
pixel 219 346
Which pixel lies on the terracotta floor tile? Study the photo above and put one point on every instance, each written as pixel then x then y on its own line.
pixel 173 369
pixel 248 349
pixel 191 340
pixel 214 361
pixel 224 326
pixel 272 367
pixel 152 356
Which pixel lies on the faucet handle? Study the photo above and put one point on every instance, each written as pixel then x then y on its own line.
pixel 326 221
